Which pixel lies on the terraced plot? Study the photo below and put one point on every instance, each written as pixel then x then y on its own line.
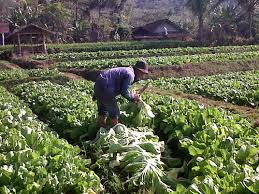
pixel 238 88
pixel 33 159
pixel 157 61
pixel 73 56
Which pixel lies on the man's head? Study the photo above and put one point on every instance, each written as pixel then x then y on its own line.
pixel 140 69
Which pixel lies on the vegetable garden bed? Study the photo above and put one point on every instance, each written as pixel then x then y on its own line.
pixel 240 88
pixel 32 157
pixel 213 151
pixel 157 61
pixel 73 56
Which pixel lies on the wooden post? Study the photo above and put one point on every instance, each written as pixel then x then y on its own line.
pixel 44 44
pixel 31 44
pixel 3 38
pixel 19 45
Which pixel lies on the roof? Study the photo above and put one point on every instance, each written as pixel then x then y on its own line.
pixel 4 28
pixel 30 29
pixel 151 26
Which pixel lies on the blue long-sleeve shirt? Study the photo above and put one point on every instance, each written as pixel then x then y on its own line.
pixel 114 82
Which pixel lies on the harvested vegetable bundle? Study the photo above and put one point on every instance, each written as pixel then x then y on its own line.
pixel 135 115
pixel 129 159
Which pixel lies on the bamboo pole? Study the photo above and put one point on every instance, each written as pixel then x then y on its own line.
pixel 3 38
pixel 44 44
pixel 19 46
pixel 31 44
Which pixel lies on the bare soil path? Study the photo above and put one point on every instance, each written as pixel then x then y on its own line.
pixel 5 65
pixel 72 76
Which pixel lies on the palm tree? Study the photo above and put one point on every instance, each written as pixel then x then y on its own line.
pixel 199 9
pixel 248 8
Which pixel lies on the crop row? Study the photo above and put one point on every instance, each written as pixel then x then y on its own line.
pixel 22 74
pixel 33 159
pixel 69 111
pixel 112 46
pixel 72 108
pixel 220 149
pixel 154 61
pixel 66 56
pixel 240 88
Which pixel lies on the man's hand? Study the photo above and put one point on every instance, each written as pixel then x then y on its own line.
pixel 136 98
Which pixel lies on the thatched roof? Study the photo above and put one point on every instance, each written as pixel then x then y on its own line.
pixel 150 27
pixel 30 29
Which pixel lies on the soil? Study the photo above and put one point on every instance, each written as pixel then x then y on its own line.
pixel 32 64
pixel 5 65
pixel 187 70
pixel 251 114
pixel 12 66
pixel 72 76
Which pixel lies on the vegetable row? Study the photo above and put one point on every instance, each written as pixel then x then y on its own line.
pixel 33 159
pixel 22 74
pixel 214 151
pixel 68 110
pixel 155 61
pixel 73 56
pixel 139 152
pixel 219 150
pixel 240 88
pixel 112 46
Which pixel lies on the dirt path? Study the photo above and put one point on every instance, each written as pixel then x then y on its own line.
pixel 8 65
pixel 72 76
pixel 248 112
pixel 12 66
pixel 185 70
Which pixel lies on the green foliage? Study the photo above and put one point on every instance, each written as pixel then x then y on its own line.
pixel 74 56
pixel 133 155
pixel 70 112
pixel 54 16
pixel 232 87
pixel 112 46
pixel 159 60
pixel 222 147
pixel 22 74
pixel 33 159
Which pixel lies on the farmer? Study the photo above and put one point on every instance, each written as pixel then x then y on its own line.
pixel 114 82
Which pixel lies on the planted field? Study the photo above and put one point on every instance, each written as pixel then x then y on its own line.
pixel 155 61
pixel 207 148
pixel 69 111
pixel 74 56
pixel 22 74
pixel 113 46
pixel 238 88
pixel 216 147
pixel 164 145
pixel 33 159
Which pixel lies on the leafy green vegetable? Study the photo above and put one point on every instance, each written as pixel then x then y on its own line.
pixel 32 157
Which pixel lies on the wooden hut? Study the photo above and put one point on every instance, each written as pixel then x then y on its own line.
pixel 161 29
pixel 30 39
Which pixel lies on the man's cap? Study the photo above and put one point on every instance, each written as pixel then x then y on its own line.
pixel 142 66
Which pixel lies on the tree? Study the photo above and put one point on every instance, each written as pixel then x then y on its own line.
pixel 248 8
pixel 199 9
pixel 22 15
pixel 55 16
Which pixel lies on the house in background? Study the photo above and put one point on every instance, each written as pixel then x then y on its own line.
pixel 30 39
pixel 161 29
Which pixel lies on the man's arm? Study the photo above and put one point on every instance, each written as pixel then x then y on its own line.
pixel 125 88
